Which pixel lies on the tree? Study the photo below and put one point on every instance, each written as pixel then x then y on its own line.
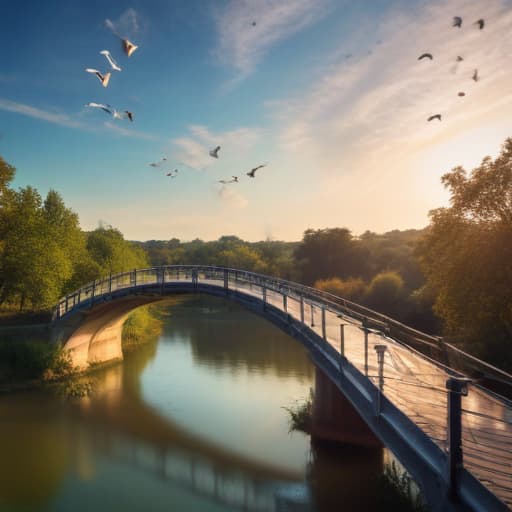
pixel 328 253
pixel 108 248
pixel 466 256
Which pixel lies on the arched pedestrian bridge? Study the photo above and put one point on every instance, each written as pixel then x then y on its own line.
pixel 422 398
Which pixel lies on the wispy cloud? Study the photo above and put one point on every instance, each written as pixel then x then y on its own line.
pixel 380 101
pixel 128 132
pixel 247 29
pixel 127 25
pixel 43 115
pixel 232 197
pixel 193 150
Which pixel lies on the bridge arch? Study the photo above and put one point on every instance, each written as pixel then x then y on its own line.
pixel 374 361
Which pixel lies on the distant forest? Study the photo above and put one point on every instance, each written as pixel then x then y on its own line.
pixel 453 278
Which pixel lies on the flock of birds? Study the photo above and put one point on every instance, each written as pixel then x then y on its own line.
pixel 104 78
pixel 457 22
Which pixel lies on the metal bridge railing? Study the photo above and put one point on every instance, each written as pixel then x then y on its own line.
pixel 421 375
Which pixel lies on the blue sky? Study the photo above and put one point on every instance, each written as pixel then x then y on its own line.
pixel 329 93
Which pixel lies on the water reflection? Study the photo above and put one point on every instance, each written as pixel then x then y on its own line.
pixel 193 421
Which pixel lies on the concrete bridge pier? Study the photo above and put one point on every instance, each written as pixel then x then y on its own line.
pixel 335 419
pixel 94 336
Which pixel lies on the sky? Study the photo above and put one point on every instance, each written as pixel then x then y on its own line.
pixel 329 94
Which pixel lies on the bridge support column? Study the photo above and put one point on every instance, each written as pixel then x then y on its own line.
pixel 335 419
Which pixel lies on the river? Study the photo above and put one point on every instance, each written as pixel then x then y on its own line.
pixel 194 420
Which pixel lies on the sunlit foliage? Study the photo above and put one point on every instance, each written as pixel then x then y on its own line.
pixel 467 257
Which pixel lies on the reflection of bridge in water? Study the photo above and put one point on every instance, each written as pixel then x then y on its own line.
pixel 202 476
pixel 403 383
pixel 127 430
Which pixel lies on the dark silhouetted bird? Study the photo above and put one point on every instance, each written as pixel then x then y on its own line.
pixel 437 116
pixel 253 23
pixel 233 180
pixel 457 21
pixel 480 23
pixel 425 55
pixel 459 58
pixel 475 76
pixel 215 152
pixel 158 164
pixel 252 172
pixel 103 78
pixel 461 93
pixel 129 115
pixel 172 174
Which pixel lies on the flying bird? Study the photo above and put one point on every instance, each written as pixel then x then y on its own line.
pixel 158 164
pixel 475 76
pixel 129 115
pixel 111 61
pixel 215 152
pixel 172 174
pixel 233 180
pixel 103 106
pixel 128 47
pixel 480 23
pixel 106 108
pixel 103 78
pixel 457 21
pixel 437 116
pixel 459 58
pixel 461 93
pixel 252 172
pixel 425 55
pixel 253 23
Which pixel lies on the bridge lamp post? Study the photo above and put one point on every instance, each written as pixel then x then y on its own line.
pixel 381 350
pixel 342 336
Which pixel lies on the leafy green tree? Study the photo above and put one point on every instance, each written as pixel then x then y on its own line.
pixel 352 288
pixel 327 253
pixel 34 264
pixel 466 256
pixel 112 253
pixel 385 294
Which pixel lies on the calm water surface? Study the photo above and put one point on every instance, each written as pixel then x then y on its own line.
pixel 192 421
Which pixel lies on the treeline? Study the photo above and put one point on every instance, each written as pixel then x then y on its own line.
pixel 43 252
pixel 380 271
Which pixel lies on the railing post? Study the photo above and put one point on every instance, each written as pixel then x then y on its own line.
pixel 67 302
pixel 92 291
pixel 226 281
pixel 324 330
pixel 264 296
pixel 380 349
pixel 365 329
pixel 134 277
pixel 110 283
pixel 285 303
pixel 457 387
pixel 342 340
pixel 302 309
pixel 312 316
